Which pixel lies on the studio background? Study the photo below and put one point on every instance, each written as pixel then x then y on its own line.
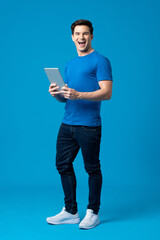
pixel 35 35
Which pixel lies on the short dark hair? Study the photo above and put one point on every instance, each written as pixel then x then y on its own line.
pixel 82 22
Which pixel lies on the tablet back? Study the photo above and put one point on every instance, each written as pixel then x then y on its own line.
pixel 54 76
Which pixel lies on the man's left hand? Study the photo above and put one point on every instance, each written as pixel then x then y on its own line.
pixel 70 93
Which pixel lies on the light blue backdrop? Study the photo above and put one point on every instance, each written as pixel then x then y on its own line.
pixel 36 34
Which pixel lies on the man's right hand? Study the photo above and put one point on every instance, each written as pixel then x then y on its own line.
pixel 54 89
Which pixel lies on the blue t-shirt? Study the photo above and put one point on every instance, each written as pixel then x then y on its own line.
pixel 83 74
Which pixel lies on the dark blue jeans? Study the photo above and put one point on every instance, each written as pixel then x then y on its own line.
pixel 70 140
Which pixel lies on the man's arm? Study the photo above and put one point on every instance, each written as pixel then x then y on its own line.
pixel 53 90
pixel 104 93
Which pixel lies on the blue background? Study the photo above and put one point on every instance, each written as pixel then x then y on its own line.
pixel 36 34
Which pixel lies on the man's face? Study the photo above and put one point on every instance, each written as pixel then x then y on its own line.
pixel 82 38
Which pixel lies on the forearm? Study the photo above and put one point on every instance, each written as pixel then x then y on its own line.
pixel 98 95
pixel 104 93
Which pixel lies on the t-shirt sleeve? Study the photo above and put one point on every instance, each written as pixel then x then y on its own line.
pixel 104 69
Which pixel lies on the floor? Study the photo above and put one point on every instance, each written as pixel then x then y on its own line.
pixel 126 213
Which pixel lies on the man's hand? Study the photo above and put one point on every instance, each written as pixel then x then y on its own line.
pixel 104 93
pixel 56 93
pixel 53 89
pixel 70 93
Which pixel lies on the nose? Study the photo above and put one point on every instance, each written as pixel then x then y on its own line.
pixel 81 36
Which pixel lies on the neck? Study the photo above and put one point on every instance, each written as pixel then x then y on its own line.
pixel 81 54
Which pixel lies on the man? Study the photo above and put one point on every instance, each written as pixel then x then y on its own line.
pixel 88 81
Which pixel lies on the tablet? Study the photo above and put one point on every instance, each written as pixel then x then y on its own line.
pixel 54 76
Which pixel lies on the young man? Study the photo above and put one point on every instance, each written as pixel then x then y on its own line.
pixel 88 81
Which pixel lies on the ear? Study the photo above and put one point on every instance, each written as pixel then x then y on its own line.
pixel 92 36
pixel 72 37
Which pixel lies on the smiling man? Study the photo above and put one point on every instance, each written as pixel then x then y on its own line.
pixel 88 81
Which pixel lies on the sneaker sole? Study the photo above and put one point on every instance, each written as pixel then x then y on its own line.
pixel 70 221
pixel 89 227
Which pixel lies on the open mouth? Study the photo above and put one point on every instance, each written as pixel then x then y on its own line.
pixel 81 43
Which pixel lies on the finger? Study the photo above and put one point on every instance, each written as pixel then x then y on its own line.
pixel 64 91
pixel 53 89
pixel 65 87
pixel 55 93
pixel 53 84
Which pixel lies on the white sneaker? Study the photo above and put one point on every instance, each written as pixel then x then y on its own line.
pixel 64 217
pixel 90 220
